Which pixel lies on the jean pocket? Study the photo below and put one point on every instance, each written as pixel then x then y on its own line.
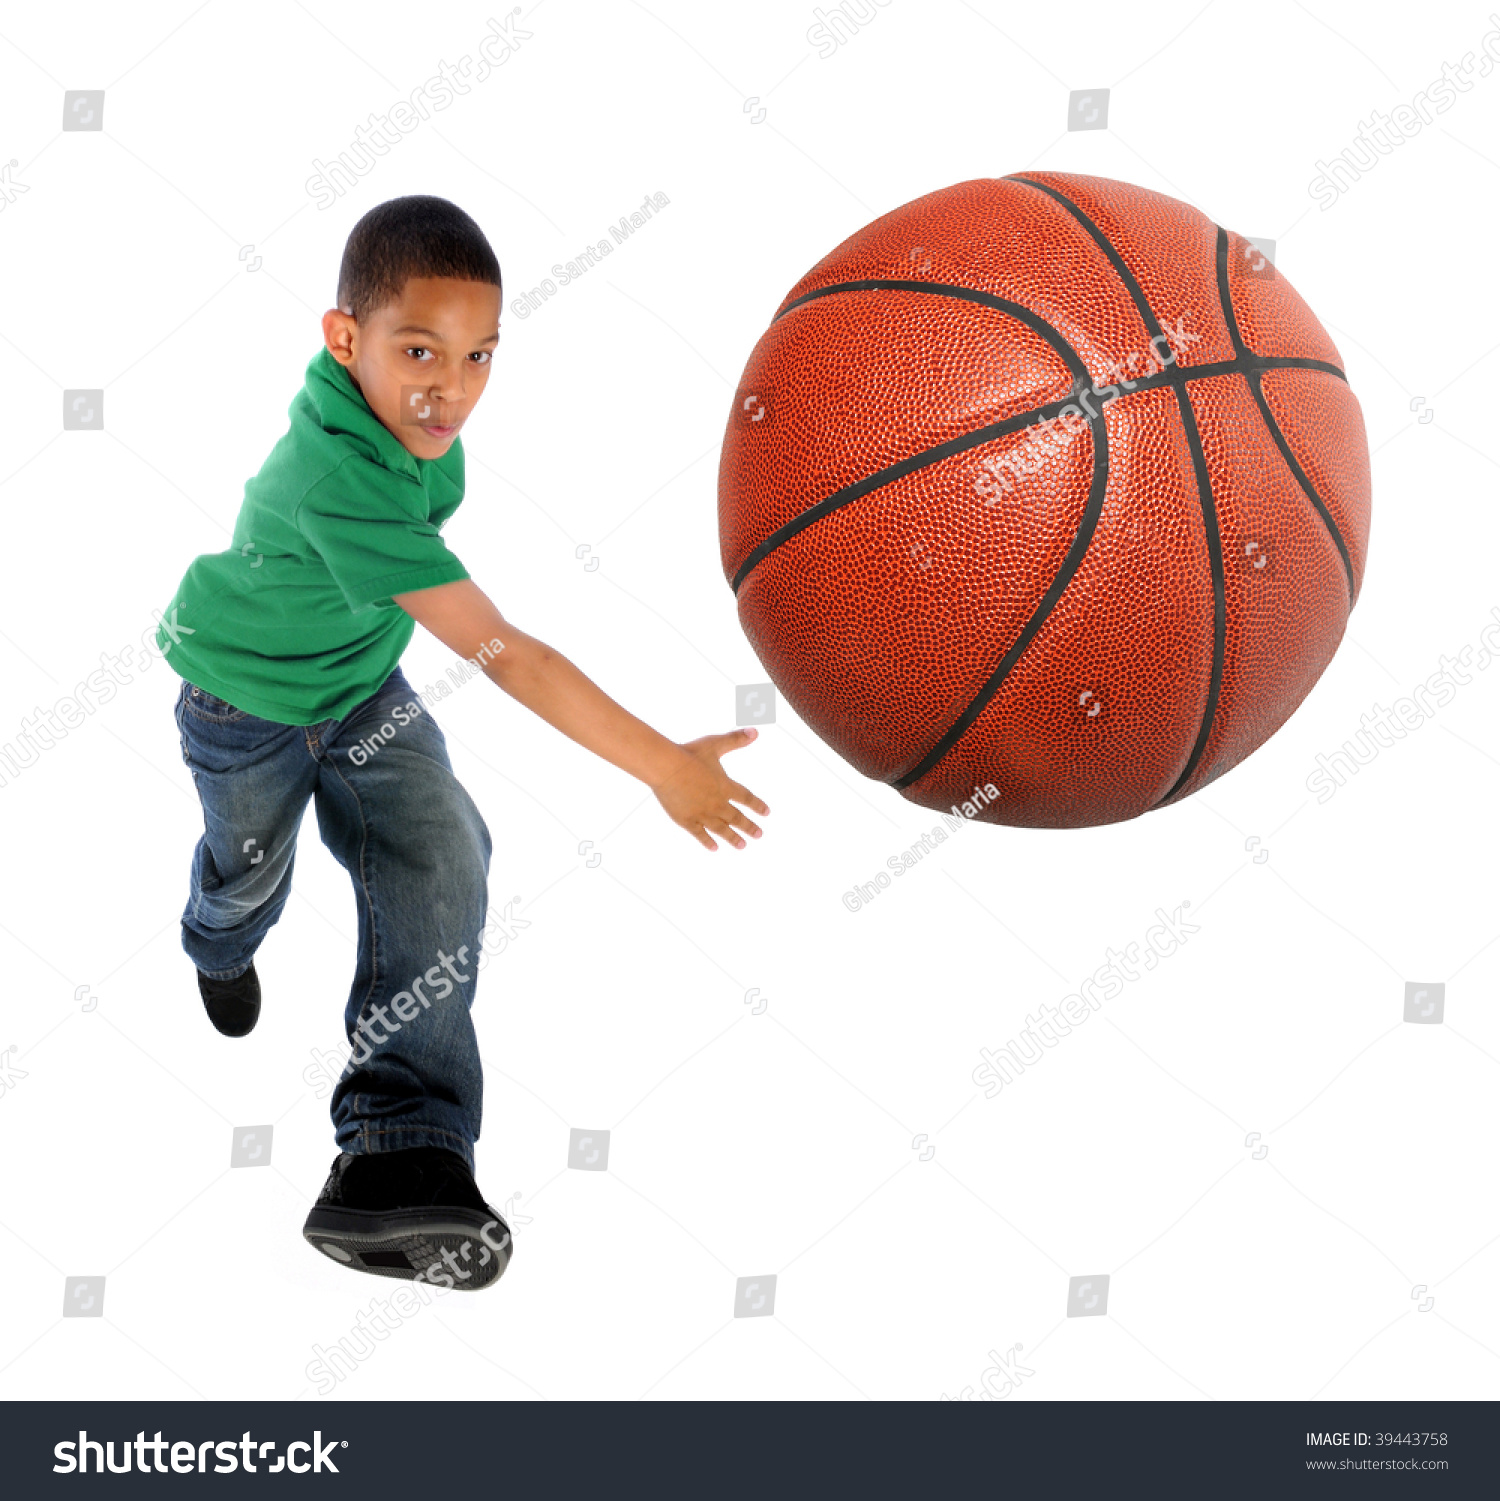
pixel 179 711
pixel 207 706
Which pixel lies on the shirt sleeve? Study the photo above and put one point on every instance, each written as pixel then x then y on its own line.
pixel 372 537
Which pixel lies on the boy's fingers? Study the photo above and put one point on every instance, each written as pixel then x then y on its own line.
pixel 746 796
pixel 735 740
pixel 698 832
pixel 724 831
pixel 743 821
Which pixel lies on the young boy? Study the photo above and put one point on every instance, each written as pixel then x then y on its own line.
pixel 288 644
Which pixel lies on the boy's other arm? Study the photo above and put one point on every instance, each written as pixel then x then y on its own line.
pixel 687 779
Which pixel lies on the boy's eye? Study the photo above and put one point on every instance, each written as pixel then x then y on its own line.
pixel 417 350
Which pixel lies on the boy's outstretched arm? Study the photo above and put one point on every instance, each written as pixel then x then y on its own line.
pixel 696 792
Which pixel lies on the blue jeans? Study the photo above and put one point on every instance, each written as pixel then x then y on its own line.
pixel 418 853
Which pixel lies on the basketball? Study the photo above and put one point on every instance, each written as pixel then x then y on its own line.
pixel 1044 499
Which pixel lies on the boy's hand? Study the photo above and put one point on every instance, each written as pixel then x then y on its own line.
pixel 697 796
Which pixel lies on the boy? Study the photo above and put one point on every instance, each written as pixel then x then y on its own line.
pixel 288 644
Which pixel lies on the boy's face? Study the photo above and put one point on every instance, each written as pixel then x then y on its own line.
pixel 422 361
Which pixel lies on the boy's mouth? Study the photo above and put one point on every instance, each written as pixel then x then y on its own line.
pixel 435 430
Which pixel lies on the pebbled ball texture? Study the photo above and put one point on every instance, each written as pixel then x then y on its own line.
pixel 1047 483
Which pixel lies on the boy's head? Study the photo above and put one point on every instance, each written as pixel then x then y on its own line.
pixel 418 318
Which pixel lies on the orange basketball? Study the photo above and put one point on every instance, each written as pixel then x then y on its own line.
pixel 1044 486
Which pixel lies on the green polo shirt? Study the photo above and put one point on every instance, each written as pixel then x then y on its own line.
pixel 294 621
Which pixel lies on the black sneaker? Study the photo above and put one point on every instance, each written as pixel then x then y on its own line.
pixel 233 1006
pixel 415 1213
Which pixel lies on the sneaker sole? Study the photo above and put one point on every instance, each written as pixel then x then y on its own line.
pixel 411 1244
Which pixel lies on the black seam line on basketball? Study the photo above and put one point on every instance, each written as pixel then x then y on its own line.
pixel 893 472
pixel 1252 379
pixel 1246 359
pixel 1017 310
pixel 1102 240
pixel 1060 582
pixel 972 439
pixel 1054 337
pixel 1216 570
pixel 1211 535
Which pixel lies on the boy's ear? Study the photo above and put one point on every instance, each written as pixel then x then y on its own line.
pixel 338 334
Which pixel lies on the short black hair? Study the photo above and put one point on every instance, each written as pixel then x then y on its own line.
pixel 404 237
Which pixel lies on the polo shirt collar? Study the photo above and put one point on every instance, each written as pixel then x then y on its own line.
pixel 342 409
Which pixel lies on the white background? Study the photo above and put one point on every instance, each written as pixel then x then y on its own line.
pixel 747 1141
